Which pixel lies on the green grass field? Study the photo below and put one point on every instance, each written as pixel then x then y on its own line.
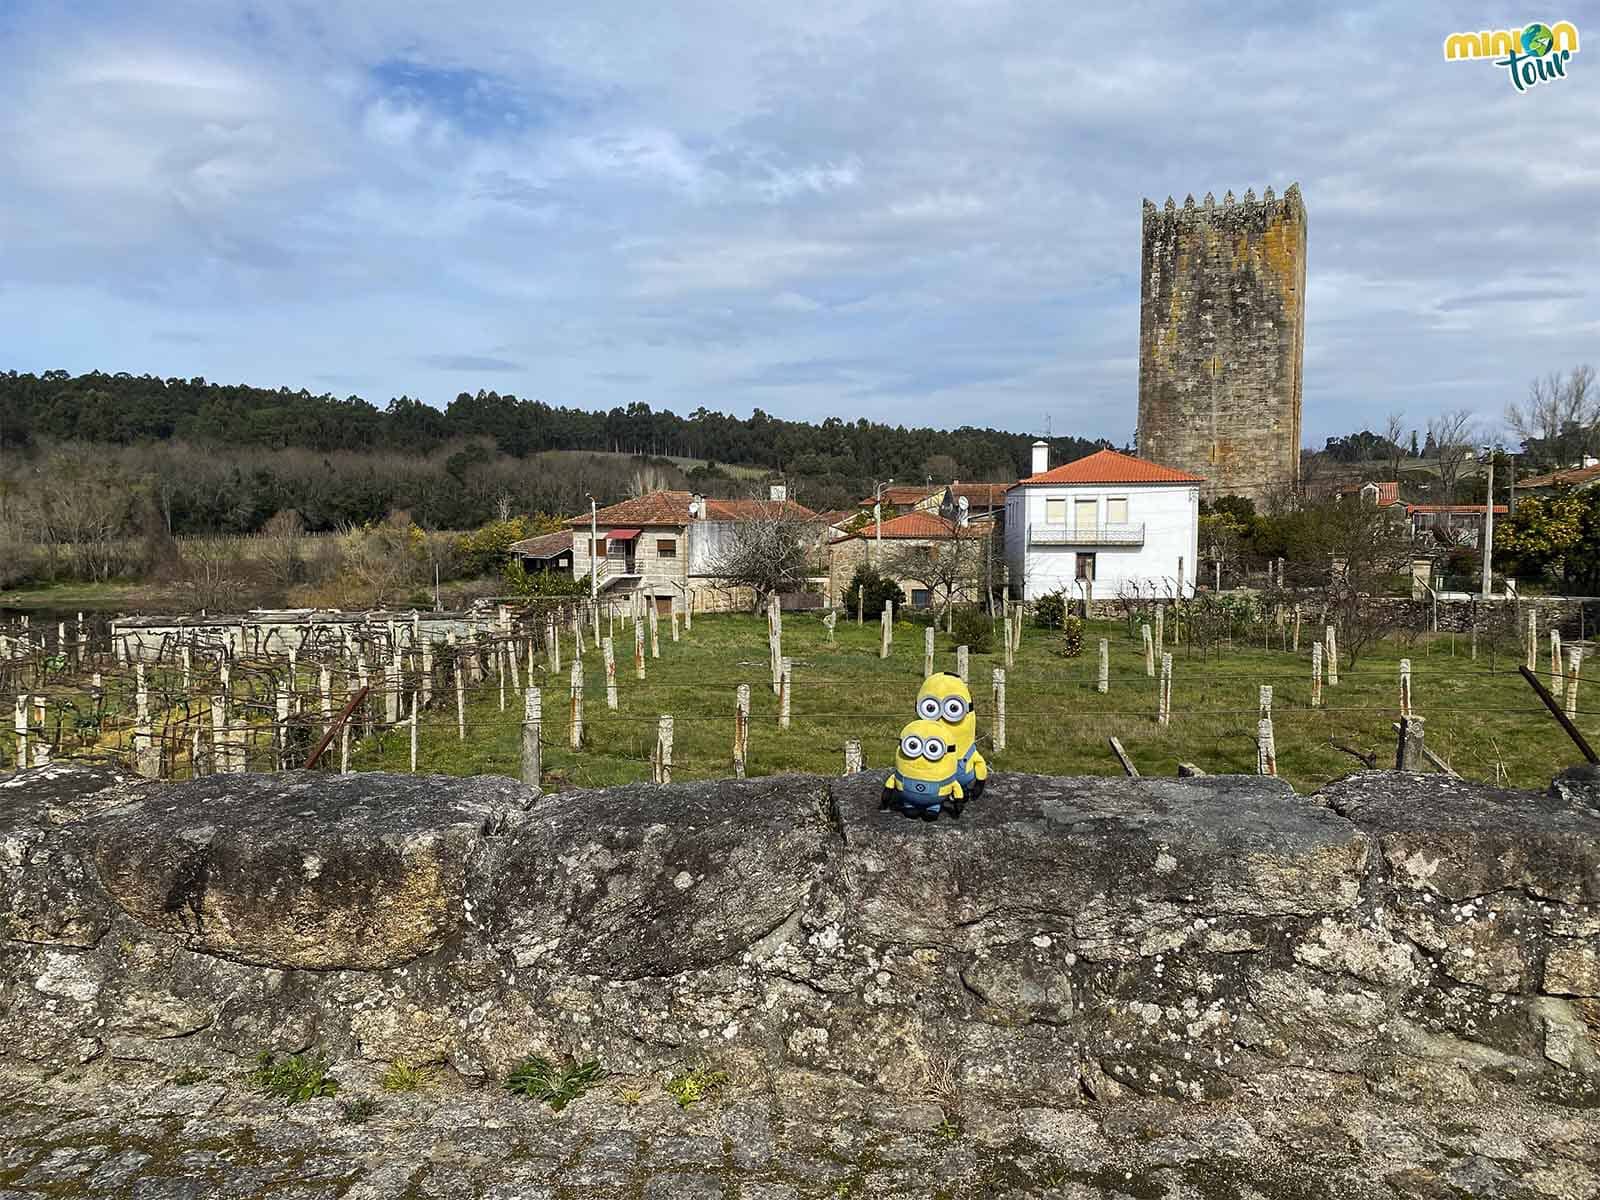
pixel 1487 724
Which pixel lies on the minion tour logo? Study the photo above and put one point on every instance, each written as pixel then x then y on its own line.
pixel 1536 54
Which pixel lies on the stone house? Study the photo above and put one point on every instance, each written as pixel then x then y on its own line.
pixel 895 546
pixel 548 552
pixel 1104 525
pixel 661 544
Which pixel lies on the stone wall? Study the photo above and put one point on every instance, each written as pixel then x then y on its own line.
pixel 1573 617
pixel 1066 940
pixel 157 639
pixel 1222 340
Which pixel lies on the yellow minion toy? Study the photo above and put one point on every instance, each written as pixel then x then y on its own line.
pixel 945 697
pixel 937 761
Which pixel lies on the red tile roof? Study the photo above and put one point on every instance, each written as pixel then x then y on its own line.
pixel 672 508
pixel 1109 466
pixel 1452 508
pixel 979 494
pixel 1575 477
pixel 658 508
pixel 837 516
pixel 545 546
pixel 915 525
pixel 902 497
pixel 745 510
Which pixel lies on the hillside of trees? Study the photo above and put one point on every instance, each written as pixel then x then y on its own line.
pixel 101 475
pixel 835 460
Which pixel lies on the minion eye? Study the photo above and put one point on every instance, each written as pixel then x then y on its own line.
pixel 955 708
pixel 933 749
pixel 928 708
pixel 911 745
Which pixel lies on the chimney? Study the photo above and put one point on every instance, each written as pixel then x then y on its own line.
pixel 1041 457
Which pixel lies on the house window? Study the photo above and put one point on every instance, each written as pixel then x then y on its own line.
pixel 1085 567
pixel 1055 512
pixel 666 547
pixel 1083 514
pixel 597 548
pixel 617 549
pixel 1117 510
pixel 920 598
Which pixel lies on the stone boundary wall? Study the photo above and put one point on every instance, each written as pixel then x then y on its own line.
pixel 1067 940
pixel 1571 615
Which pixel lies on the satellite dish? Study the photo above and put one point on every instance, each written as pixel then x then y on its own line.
pixel 694 508
pixel 962 504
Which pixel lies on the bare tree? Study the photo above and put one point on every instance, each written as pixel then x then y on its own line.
pixel 1367 546
pixel 1394 429
pixel 83 508
pixel 949 562
pixel 767 552
pixel 1561 414
pixel 383 561
pixel 1453 437
pixel 647 479
pixel 212 574
pixel 282 547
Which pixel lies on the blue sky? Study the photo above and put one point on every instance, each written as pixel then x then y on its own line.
pixel 919 213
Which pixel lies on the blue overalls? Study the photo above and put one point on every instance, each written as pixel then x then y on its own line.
pixel 923 794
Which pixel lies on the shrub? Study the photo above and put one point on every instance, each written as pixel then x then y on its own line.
pixel 537 1078
pixel 484 549
pixel 875 591
pixel 356 1112
pixel 696 1084
pixel 973 629
pixel 403 1077
pixel 1071 643
pixel 520 582
pixel 1050 610
pixel 293 1079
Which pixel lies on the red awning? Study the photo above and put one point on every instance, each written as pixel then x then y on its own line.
pixel 622 535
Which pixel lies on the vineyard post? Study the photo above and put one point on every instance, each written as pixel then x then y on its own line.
pixel 741 729
pixel 998 739
pixel 532 732
pixel 575 727
pixel 664 749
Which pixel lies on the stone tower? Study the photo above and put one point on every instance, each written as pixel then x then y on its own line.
pixel 1222 340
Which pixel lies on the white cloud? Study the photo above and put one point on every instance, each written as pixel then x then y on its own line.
pixel 940 204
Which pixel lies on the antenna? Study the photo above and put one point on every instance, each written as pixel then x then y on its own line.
pixel 1047 426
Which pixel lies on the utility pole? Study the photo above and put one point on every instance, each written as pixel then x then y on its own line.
pixel 877 520
pixel 1511 502
pixel 594 559
pixel 1488 531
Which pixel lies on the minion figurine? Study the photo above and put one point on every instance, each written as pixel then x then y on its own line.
pixel 937 760
pixel 946 698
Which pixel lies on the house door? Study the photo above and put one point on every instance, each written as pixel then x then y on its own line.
pixel 1086 568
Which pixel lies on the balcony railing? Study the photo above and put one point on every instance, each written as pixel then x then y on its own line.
pixel 607 569
pixel 1086 535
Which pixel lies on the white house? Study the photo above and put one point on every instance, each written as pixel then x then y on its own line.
pixel 1106 525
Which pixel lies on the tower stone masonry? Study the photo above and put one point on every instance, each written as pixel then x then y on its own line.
pixel 1222 340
